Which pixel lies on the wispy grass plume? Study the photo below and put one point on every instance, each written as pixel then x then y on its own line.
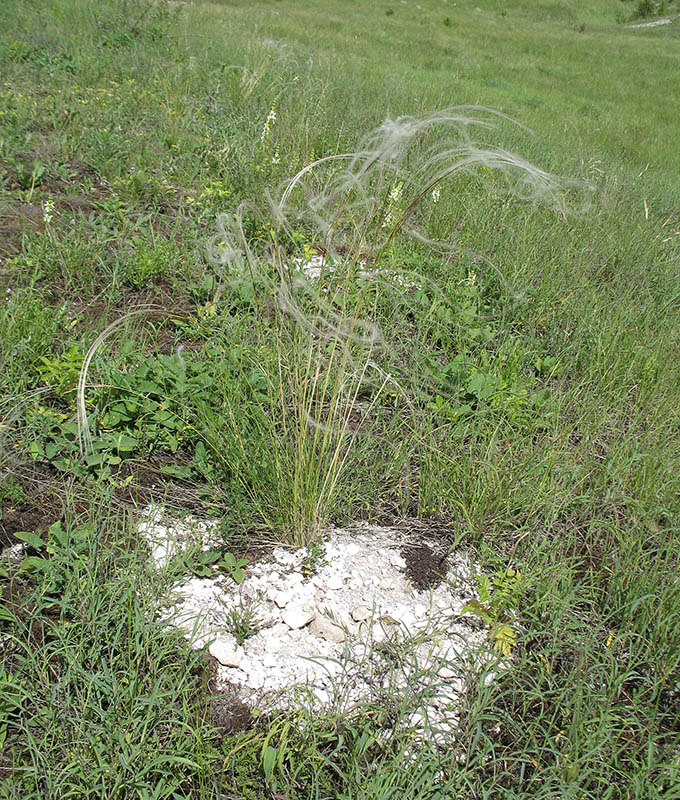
pixel 349 211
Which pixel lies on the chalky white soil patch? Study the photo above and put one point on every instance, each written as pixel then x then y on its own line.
pixel 314 267
pixel 347 628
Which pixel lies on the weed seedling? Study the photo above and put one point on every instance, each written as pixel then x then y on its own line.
pixel 242 623
pixel 233 567
pixel 498 595
pixel 315 558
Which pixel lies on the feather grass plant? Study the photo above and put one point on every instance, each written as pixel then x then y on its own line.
pixel 329 348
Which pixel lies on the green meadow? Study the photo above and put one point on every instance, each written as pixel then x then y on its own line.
pixel 490 350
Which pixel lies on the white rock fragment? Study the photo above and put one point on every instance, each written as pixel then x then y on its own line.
pixel 297 616
pixel 407 618
pixel 397 561
pixel 327 629
pixel 270 661
pixel 284 557
pixel 322 696
pixel 278 630
pixel 255 680
pixel 361 613
pixel 13 555
pixel 226 651
pixel 282 599
pixel 335 582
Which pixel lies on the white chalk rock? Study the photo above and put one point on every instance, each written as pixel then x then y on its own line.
pixel 271 592
pixel 284 557
pixel 327 629
pixel 322 696
pixel 361 613
pixel 335 582
pixel 278 630
pixel 270 660
pixel 297 616
pixel 255 680
pixel 282 598
pixel 226 651
pixel 407 618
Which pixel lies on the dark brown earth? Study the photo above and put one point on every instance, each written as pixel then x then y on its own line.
pixel 42 508
pixel 227 711
pixel 426 563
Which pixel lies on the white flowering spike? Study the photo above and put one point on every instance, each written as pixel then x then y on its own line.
pixel 48 211
pixel 267 127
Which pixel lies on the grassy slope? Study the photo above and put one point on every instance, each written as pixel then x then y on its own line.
pixel 599 93
pixel 581 495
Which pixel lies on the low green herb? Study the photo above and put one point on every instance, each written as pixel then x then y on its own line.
pixel 11 492
pixel 147 261
pixel 233 567
pixel 242 623
pixel 498 596
pixel 28 177
pixel 12 698
pixel 61 373
pixel 204 563
pixel 314 558
pixel 65 552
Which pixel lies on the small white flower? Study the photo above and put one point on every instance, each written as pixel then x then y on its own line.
pixel 276 158
pixel 388 221
pixel 48 211
pixel 267 127
pixel 396 192
pixel 436 194
pixel 471 278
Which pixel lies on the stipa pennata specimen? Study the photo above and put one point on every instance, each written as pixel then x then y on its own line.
pixel 331 348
